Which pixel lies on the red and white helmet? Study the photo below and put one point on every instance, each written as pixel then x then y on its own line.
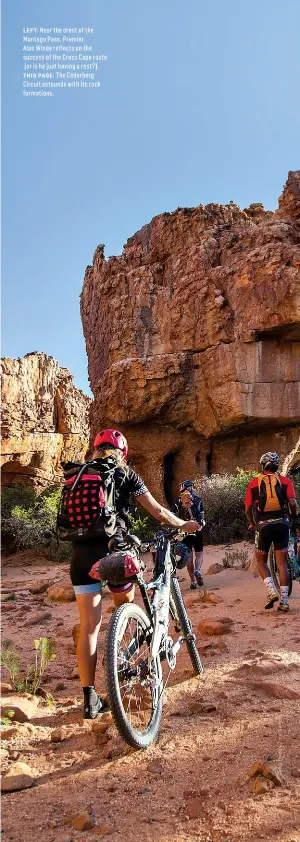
pixel 114 438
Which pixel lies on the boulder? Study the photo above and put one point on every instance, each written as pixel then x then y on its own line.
pixel 211 598
pixel 80 821
pixel 38 587
pixel 214 568
pixel 59 734
pixel 261 785
pixel 64 592
pixel 19 776
pixel 267 769
pixel 23 706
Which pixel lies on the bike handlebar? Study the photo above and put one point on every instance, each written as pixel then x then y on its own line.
pixel 116 542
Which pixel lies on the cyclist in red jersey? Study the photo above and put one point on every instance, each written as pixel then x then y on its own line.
pixel 270 499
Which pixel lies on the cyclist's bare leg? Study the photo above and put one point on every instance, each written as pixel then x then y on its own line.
pixel 198 560
pixel 281 561
pixel 262 564
pixel 89 606
pixel 121 598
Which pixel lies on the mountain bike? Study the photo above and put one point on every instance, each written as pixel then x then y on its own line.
pixel 138 643
pixel 293 564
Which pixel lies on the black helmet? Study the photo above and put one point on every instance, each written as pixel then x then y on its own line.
pixel 187 483
pixel 269 460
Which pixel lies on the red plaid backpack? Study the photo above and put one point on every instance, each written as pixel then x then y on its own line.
pixel 87 505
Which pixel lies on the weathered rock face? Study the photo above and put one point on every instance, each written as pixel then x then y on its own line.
pixel 45 420
pixel 192 336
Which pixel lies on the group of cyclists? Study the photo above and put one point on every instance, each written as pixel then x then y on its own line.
pixel 96 504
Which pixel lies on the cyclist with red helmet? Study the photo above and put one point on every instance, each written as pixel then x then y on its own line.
pixel 109 444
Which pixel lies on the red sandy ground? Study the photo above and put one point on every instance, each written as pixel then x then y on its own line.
pixel 198 766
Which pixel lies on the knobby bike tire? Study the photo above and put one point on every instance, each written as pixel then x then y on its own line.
pixel 173 614
pixel 137 739
pixel 274 573
pixel 186 626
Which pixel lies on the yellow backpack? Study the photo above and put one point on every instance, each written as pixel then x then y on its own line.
pixel 271 493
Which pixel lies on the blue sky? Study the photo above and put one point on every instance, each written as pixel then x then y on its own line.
pixel 199 102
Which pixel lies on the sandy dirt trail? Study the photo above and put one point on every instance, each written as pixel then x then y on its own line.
pixel 192 783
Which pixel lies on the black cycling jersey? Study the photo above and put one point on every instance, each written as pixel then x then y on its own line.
pixel 86 553
pixel 127 484
pixel 196 512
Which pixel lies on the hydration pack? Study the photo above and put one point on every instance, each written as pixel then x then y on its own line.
pixel 181 554
pixel 87 507
pixel 271 493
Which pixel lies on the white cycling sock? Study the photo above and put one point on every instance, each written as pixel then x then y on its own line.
pixel 269 585
pixel 284 593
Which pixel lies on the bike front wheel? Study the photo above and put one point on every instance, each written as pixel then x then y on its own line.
pixel 133 677
pixel 275 575
pixel 186 627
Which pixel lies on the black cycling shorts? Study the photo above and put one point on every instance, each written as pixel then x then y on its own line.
pixel 84 555
pixel 194 541
pixel 272 533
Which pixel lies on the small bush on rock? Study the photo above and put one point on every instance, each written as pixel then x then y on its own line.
pixel 30 679
pixel 235 558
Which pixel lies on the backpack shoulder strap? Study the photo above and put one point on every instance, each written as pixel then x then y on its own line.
pixel 79 475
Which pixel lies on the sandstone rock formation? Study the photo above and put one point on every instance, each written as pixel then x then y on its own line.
pixel 45 420
pixel 192 337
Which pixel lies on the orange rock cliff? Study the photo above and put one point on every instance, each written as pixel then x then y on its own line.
pixel 192 336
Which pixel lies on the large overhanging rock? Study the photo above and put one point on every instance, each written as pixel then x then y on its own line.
pixel 192 337
pixel 45 420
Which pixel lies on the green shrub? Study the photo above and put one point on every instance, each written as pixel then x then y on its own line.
pixel 18 495
pixel 223 499
pixel 29 521
pixel 144 527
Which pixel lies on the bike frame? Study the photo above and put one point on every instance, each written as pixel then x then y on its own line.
pixel 158 608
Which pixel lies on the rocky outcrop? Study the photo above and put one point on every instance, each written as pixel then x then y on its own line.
pixel 292 460
pixel 192 337
pixel 45 420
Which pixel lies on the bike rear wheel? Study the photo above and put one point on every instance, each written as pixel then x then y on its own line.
pixel 186 627
pixel 274 573
pixel 133 678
